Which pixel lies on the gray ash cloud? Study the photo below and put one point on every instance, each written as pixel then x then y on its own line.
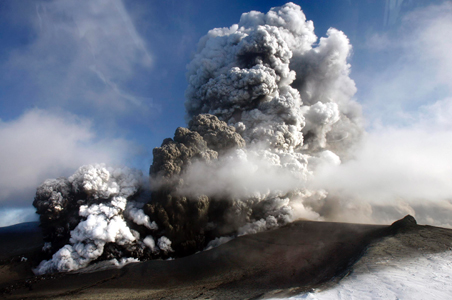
pixel 267 103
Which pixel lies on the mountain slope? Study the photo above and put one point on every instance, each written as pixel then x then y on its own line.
pixel 296 259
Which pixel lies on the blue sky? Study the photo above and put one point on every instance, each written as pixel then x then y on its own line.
pixel 103 81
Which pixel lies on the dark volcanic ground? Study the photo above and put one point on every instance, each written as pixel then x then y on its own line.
pixel 288 260
pixel 19 246
pixel 19 239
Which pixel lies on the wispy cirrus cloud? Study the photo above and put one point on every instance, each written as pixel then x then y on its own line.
pixel 413 66
pixel 82 56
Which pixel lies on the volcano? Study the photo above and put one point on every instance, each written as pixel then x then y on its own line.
pixel 232 207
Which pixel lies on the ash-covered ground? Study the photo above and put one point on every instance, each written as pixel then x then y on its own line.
pixel 301 260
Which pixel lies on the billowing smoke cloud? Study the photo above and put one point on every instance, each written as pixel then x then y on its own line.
pixel 86 212
pixel 267 105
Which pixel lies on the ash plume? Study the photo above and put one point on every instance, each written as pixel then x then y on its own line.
pixel 267 104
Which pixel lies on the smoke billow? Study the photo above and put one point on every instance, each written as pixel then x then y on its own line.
pixel 91 216
pixel 267 104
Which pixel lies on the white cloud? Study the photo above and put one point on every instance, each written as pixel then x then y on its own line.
pixel 392 11
pixel 40 144
pixel 413 66
pixel 397 171
pixel 432 40
pixel 83 54
pixel 404 164
pixel 409 163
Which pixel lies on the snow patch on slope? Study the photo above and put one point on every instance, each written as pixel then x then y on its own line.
pixel 395 268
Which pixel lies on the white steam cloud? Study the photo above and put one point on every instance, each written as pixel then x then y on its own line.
pixel 150 242
pixel 139 217
pixel 101 223
pixel 164 244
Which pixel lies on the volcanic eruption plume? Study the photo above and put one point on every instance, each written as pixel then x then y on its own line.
pixel 267 103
